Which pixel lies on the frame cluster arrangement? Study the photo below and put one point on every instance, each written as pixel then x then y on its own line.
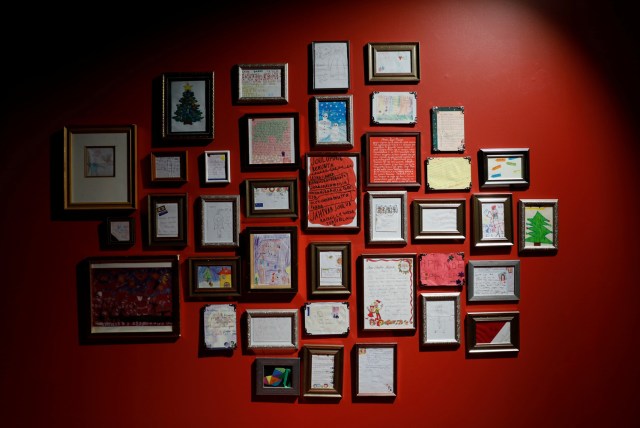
pixel 136 298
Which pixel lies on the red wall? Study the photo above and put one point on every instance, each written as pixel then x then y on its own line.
pixel 553 78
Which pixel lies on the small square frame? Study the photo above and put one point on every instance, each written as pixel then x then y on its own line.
pixel 392 159
pixel 534 231
pixel 385 384
pixel 330 66
pixel 440 319
pixel 219 225
pixel 492 226
pixel 273 259
pixel 481 326
pixel 447 129
pixel 271 198
pixel 282 326
pixel 263 83
pixel 388 218
pixel 333 121
pixel 387 62
pixel 330 276
pixel 217 167
pixel 324 378
pixel 223 272
pixel 167 231
pixel 503 168
pixel 493 281
pixel 270 365
pixel 120 231
pixel 271 142
pixel 394 108
pixel 168 167
pixel 220 327
pixel 187 106
pixel 439 219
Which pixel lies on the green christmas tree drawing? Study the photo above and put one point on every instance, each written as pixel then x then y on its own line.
pixel 188 109
pixel 537 230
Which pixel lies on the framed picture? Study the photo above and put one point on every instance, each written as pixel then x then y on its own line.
pixel 187 106
pixel 168 167
pixel 538 224
pixel 326 318
pixel 333 122
pixel 494 280
pixel 376 369
pixel 332 192
pixel 447 129
pixel 277 376
pixel 212 278
pixel 100 168
pixel 392 159
pixel 271 197
pixel 440 319
pixel 492 220
pixel 263 84
pixel 330 65
pixel 442 269
pixel 448 173
pixel 273 259
pixel 220 327
pixel 273 330
pixel 330 269
pixel 217 167
pixel 393 62
pixel 387 217
pixel 503 168
pixel 439 219
pixel 271 141
pixel 219 221
pixel 132 298
pixel 493 332
pixel 121 231
pixel 394 108
pixel 323 370
pixel 388 283
pixel 167 219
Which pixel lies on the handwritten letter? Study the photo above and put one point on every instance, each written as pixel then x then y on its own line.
pixel 332 191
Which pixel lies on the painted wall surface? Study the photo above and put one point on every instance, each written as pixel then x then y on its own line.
pixel 553 77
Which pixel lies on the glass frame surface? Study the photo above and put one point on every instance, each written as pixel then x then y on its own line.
pixel 477 338
pixel 225 270
pixel 263 83
pixel 198 93
pixel 334 131
pixel 271 198
pixel 385 62
pixel 279 338
pixel 330 65
pixel 217 171
pixel 381 159
pixel 442 228
pixel 161 232
pixel 168 171
pixel 273 255
pixel 499 281
pixel 383 385
pixel 514 163
pixel 483 220
pixel 533 230
pixel 330 277
pixel 439 329
pixel 328 374
pixel 271 365
pixel 266 149
pixel 387 224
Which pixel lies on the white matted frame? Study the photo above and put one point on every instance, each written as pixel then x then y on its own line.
pixel 387 217
pixel 219 221
pixel 273 330
pixel 217 167
pixel 440 319
pixel 376 369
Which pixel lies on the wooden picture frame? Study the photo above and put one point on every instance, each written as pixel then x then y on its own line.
pixel 439 219
pixel 326 318
pixel 376 369
pixel 187 106
pixel 263 83
pixel 503 168
pixel 448 173
pixel 330 269
pixel 538 221
pixel 332 192
pixel 492 220
pixel 333 122
pixel 217 167
pixel 441 269
pixel 271 141
pixel 168 167
pixel 494 281
pixel 447 129
pixel 273 259
pixel 220 327
pixel 272 330
pixel 271 198
pixel 277 376
pixel 330 65
pixel 100 168
pixel 167 219
pixel 440 319
pixel 393 62
pixel 392 159
pixel 213 278
pixel 394 108
pixel 388 292
pixel 120 231
pixel 323 370
pixel 493 332
pixel 388 218
pixel 219 226
pixel 145 306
